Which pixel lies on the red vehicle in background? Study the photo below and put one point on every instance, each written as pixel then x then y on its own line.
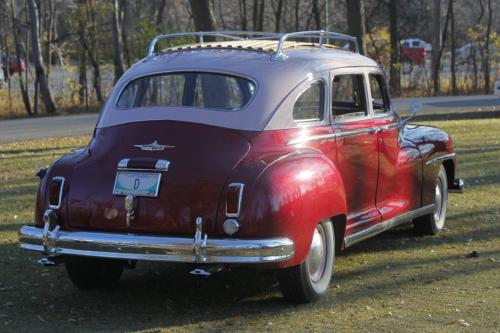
pixel 415 50
pixel 13 65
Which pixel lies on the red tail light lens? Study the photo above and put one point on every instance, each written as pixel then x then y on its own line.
pixel 234 196
pixel 56 187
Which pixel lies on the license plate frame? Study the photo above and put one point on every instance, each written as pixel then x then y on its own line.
pixel 123 179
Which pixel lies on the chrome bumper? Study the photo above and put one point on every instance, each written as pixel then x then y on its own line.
pixel 155 248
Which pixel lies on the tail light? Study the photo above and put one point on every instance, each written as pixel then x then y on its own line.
pixel 234 196
pixel 56 188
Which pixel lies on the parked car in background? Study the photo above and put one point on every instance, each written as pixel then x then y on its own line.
pixel 258 151
pixel 415 50
pixel 497 89
pixel 13 65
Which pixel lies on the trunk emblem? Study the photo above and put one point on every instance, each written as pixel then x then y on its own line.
pixel 153 146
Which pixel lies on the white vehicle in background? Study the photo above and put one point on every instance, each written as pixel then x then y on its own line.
pixel 496 92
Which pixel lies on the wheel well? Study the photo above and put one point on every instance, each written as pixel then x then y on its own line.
pixel 449 167
pixel 339 223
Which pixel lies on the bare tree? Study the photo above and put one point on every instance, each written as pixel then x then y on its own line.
pixel 258 15
pixel 436 44
pixel 203 15
pixel 486 64
pixel 394 72
pixel 117 41
pixel 356 21
pixel 277 15
pixel 22 86
pixel 243 14
pixel 316 13
pixel 454 89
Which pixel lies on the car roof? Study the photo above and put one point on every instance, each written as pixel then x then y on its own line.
pixel 275 79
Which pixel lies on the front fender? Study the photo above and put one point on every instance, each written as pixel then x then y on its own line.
pixel 290 197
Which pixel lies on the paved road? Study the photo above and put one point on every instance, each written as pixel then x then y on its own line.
pixel 24 129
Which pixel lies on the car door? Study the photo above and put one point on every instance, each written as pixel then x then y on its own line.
pixel 400 167
pixel 357 147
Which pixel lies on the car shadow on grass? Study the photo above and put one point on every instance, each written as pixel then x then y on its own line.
pixel 163 295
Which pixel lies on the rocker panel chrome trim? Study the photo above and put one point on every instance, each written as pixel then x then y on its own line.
pixel 386 225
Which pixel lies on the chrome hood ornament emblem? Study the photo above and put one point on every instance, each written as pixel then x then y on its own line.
pixel 155 146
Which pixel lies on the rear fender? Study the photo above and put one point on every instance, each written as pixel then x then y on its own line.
pixel 290 197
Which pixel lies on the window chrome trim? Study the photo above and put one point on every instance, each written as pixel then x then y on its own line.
pixel 177 71
pixel 240 187
pixel 440 158
pixel 311 122
pixel 386 225
pixel 61 189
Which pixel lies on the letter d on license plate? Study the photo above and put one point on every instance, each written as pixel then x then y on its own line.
pixel 141 184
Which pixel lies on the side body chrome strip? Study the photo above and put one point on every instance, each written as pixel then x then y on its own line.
pixel 440 158
pixel 339 135
pixel 386 225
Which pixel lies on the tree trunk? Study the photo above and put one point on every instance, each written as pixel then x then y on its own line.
pixel 486 65
pixel 22 87
pixel 203 15
pixel 297 15
pixel 41 77
pixel 160 13
pixel 124 32
pixel 394 72
pixel 261 16
pixel 356 21
pixel 117 42
pixel 436 45
pixel 317 14
pixel 454 89
pixel 277 16
pixel 243 14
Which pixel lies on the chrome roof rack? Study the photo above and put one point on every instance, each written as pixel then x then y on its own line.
pixel 278 54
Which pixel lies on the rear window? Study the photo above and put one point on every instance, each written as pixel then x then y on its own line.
pixel 190 89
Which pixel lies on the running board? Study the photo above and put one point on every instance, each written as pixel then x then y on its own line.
pixel 386 225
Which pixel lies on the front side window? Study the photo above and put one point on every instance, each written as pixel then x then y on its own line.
pixel 310 104
pixel 348 96
pixel 378 88
pixel 190 89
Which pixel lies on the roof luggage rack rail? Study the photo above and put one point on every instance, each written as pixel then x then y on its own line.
pixel 278 54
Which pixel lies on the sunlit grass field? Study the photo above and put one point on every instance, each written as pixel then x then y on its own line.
pixel 395 282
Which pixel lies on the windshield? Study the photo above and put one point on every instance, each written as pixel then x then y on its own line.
pixel 190 89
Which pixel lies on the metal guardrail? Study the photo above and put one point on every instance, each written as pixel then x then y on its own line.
pixel 278 54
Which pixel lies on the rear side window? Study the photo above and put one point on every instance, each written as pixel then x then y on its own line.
pixel 380 99
pixel 310 104
pixel 348 96
pixel 190 89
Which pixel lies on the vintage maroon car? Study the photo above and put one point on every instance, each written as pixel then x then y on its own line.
pixel 255 150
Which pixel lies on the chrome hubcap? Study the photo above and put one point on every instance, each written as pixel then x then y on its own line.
pixel 316 259
pixel 439 203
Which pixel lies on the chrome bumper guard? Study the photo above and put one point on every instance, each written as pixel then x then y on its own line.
pixel 155 248
pixel 457 186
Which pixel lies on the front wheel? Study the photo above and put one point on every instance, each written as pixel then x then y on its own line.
pixel 93 273
pixel 308 281
pixel 433 223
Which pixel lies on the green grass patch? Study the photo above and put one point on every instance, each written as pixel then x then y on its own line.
pixel 395 282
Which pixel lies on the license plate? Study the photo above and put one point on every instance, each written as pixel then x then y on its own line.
pixel 142 184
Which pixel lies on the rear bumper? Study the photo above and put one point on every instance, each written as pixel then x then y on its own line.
pixel 155 248
pixel 457 186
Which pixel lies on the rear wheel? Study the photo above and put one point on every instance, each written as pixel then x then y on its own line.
pixel 308 281
pixel 433 223
pixel 93 273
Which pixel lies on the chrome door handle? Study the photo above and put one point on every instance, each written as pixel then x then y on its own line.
pixel 375 130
